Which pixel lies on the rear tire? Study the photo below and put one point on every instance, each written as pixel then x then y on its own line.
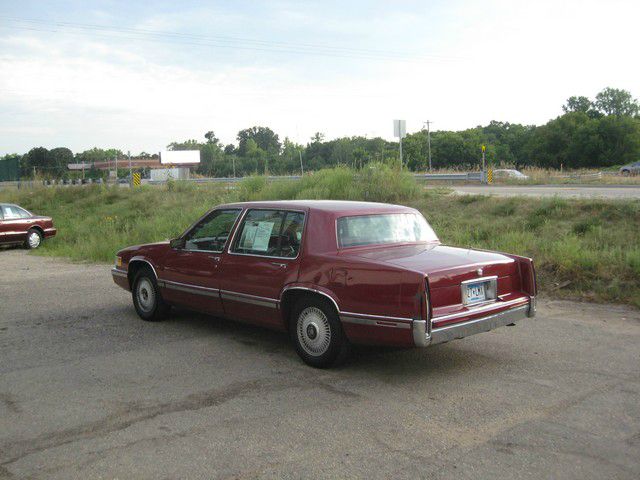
pixel 147 299
pixel 316 333
pixel 626 173
pixel 34 239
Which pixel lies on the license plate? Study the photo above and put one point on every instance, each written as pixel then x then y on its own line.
pixel 475 292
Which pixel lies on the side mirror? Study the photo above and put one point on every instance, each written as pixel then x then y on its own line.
pixel 177 243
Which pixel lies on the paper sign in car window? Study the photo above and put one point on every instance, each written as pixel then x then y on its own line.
pixel 262 236
pixel 248 235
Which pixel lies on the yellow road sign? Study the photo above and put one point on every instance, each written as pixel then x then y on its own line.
pixel 136 179
pixel 490 176
pixel 484 148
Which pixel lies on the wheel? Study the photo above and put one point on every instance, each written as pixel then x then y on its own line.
pixel 626 173
pixel 34 239
pixel 316 333
pixel 146 297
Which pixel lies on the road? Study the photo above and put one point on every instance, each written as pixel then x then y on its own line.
pixel 618 192
pixel 87 390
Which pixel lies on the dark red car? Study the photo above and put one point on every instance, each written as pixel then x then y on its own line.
pixel 18 226
pixel 330 273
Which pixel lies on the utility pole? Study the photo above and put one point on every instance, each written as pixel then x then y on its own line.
pixel 428 123
pixel 301 167
pixel 130 170
pixel 116 159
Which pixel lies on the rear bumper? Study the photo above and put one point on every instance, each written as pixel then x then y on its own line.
pixel 50 232
pixel 424 335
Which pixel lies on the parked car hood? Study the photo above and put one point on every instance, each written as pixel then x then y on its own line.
pixel 443 265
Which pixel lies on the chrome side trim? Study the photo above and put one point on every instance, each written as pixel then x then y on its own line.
pixel 372 322
pixel 188 288
pixel 465 329
pixel 251 299
pixel 310 290
pixel 376 317
pixel 118 273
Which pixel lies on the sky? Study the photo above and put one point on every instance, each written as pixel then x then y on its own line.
pixel 139 75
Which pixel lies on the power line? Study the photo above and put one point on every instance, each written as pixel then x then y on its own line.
pixel 215 41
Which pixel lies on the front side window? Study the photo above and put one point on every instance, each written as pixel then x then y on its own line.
pixel 271 233
pixel 11 212
pixel 384 229
pixel 212 232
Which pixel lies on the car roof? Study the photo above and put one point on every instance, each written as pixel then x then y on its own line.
pixel 336 207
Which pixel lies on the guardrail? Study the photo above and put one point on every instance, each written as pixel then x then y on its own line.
pixel 467 177
pixel 480 177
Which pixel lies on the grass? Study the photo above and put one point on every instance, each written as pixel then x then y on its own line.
pixel 587 249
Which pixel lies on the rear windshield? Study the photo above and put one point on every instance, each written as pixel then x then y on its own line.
pixel 384 229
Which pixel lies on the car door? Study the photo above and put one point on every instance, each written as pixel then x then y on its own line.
pixel 262 258
pixel 190 274
pixel 16 223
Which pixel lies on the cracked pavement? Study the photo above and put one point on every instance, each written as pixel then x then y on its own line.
pixel 87 390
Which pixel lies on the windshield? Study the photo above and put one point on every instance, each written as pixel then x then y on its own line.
pixel 384 229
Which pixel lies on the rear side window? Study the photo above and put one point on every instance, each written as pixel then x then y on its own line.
pixel 11 212
pixel 270 233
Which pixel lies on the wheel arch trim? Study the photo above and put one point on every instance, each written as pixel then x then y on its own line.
pixel 142 260
pixel 310 289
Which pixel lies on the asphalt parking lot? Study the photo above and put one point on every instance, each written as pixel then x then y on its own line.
pixel 87 390
pixel 611 192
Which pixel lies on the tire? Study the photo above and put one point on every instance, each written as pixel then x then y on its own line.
pixel 626 173
pixel 316 333
pixel 34 239
pixel 147 299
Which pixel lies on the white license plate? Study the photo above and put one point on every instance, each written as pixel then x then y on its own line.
pixel 476 292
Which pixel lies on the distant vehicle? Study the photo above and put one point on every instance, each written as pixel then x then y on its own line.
pixel 18 226
pixel 329 273
pixel 509 173
pixel 631 169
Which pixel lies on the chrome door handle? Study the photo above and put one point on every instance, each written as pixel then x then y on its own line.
pixel 214 258
pixel 281 265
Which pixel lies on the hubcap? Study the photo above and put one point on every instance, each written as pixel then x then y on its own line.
pixel 34 240
pixel 146 295
pixel 314 331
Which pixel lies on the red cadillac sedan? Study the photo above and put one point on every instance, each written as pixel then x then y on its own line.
pixel 20 227
pixel 331 274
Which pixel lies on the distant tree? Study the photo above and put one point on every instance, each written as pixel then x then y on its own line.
pixel 58 161
pixel 34 160
pixel 613 101
pixel 264 138
pixel 211 138
pixel 191 144
pixel 577 104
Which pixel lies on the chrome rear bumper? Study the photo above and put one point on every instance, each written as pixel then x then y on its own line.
pixel 424 336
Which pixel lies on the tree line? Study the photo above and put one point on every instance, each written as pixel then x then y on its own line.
pixel 590 133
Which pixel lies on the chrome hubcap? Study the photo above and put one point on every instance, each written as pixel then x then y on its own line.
pixel 314 331
pixel 34 240
pixel 146 295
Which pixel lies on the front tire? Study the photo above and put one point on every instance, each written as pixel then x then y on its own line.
pixel 34 239
pixel 316 333
pixel 147 300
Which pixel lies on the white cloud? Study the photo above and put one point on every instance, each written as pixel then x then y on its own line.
pixel 502 60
